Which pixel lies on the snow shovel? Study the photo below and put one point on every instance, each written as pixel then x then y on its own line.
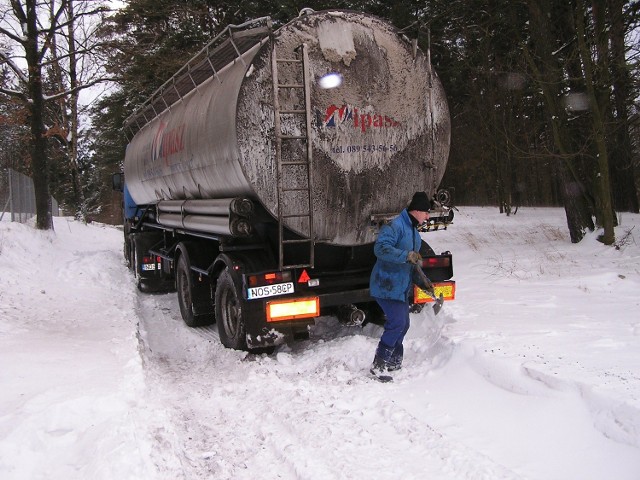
pixel 438 300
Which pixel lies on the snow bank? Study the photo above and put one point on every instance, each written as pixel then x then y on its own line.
pixel 70 368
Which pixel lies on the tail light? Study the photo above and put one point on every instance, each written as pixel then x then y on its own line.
pixel 269 278
pixel 436 262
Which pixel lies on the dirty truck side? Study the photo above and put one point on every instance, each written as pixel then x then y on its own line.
pixel 257 193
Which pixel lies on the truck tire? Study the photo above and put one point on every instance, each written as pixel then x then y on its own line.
pixel 135 265
pixel 231 326
pixel 127 246
pixel 126 250
pixel 185 288
pixel 145 285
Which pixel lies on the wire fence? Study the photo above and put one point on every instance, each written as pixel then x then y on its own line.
pixel 17 197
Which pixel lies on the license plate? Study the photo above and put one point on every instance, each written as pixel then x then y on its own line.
pixel 270 290
pixel 148 266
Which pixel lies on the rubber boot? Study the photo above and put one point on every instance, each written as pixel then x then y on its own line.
pixel 380 367
pixel 395 363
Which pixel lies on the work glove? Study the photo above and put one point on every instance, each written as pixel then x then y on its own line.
pixel 430 291
pixel 423 282
pixel 428 287
pixel 415 258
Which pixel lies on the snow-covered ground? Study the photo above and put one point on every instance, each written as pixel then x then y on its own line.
pixel 536 374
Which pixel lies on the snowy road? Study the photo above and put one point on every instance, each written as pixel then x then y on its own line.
pixel 309 413
pixel 312 412
pixel 535 375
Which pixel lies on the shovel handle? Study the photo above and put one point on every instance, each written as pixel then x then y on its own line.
pixel 425 280
pixel 439 300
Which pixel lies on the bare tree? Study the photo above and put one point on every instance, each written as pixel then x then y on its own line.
pixel 597 83
pixel 44 35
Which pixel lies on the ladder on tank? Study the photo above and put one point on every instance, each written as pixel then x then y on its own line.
pixel 296 85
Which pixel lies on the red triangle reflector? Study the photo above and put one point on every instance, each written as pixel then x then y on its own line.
pixel 304 278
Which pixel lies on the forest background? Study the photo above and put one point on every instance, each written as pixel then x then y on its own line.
pixel 543 94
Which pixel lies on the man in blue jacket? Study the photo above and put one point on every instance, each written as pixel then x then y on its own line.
pixel 397 250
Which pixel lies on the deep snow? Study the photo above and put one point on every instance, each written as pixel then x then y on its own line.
pixel 536 374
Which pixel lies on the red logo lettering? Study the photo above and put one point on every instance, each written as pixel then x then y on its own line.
pixel 337 115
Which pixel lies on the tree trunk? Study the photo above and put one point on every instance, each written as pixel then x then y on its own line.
pixel 73 104
pixel 623 171
pixel 36 111
pixel 550 75
pixel 598 107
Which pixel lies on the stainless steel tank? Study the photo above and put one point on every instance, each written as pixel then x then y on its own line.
pixel 381 135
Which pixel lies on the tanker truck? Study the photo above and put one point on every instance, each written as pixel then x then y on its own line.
pixel 257 177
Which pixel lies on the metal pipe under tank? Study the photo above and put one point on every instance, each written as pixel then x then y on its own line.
pixel 218 225
pixel 223 216
pixel 219 206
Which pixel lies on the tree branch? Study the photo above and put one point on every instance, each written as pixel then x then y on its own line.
pixel 51 31
pixel 56 26
pixel 14 94
pixel 17 70
pixel 22 17
pixel 12 36
pixel 80 52
pixel 79 88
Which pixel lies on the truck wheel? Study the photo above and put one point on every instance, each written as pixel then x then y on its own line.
pixel 127 254
pixel 229 313
pixel 145 285
pixel 185 289
pixel 135 266
pixel 127 246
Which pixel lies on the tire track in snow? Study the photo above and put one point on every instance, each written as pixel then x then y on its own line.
pixel 306 413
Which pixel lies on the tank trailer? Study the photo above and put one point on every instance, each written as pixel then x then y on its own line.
pixel 256 178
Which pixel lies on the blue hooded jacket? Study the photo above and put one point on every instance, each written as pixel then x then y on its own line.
pixel 391 275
